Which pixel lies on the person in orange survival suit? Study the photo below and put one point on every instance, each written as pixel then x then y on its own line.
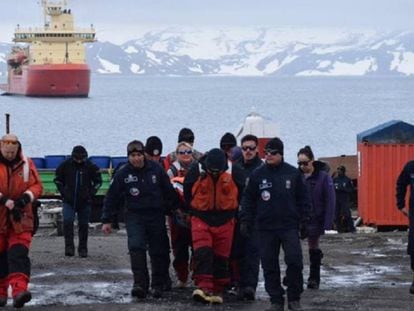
pixel 20 185
pixel 212 197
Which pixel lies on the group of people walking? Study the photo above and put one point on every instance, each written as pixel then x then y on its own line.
pixel 227 211
pixel 226 214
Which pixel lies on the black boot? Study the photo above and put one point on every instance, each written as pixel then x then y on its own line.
pixel 83 240
pixel 21 299
pixel 3 301
pixel 140 272
pixel 68 234
pixel 315 258
pixel 160 276
pixel 412 287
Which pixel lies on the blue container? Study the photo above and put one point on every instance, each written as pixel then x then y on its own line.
pixel 53 161
pixel 117 161
pixel 101 161
pixel 39 162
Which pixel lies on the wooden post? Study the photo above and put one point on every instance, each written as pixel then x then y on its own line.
pixel 7 123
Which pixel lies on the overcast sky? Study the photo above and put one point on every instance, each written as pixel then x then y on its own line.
pixel 114 19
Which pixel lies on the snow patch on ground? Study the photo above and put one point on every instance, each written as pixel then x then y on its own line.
pixel 403 62
pixel 152 57
pixel 135 68
pixel 345 69
pixel 131 50
pixel 108 67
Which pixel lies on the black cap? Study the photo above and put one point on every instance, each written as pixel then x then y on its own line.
pixel 186 135
pixel 153 146
pixel 228 141
pixel 275 144
pixel 79 152
pixel 135 146
pixel 216 160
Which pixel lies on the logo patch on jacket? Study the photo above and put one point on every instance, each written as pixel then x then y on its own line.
pixel 265 184
pixel 265 195
pixel 130 179
pixel 288 184
pixel 154 179
pixel 134 192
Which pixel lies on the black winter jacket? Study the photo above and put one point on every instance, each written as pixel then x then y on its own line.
pixel 242 171
pixel 406 178
pixel 276 198
pixel 146 191
pixel 77 183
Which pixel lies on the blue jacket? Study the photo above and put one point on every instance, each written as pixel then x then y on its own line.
pixel 276 198
pixel 322 192
pixel 147 191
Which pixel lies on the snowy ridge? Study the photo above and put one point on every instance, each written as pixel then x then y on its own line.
pixel 253 51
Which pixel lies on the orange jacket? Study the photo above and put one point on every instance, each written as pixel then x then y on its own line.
pixel 208 195
pixel 14 182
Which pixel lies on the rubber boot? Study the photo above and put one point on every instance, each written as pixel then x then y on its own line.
pixel 68 235
pixel 140 272
pixel 83 241
pixel 315 257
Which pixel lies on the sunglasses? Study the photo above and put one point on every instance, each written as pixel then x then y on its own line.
pixel 304 163
pixel 251 148
pixel 10 142
pixel 188 151
pixel 272 152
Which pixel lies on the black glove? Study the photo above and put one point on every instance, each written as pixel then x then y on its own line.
pixel 21 202
pixel 17 215
pixel 245 230
pixel 303 231
pixel 3 200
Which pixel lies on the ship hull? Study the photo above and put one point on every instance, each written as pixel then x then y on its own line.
pixel 65 80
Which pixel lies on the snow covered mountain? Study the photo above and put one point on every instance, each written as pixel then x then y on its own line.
pixel 254 51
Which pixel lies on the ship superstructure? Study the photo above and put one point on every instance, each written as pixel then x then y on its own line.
pixel 53 60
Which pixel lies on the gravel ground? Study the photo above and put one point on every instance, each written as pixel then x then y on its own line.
pixel 363 271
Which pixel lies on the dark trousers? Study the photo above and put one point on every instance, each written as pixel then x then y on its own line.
pixel 149 233
pixel 250 263
pixel 343 217
pixel 83 213
pixel 410 247
pixel 270 242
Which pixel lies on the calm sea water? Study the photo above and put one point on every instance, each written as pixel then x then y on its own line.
pixel 326 113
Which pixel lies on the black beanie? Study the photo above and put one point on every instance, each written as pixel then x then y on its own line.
pixel 79 152
pixel 275 144
pixel 186 135
pixel 153 146
pixel 135 146
pixel 216 160
pixel 228 141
